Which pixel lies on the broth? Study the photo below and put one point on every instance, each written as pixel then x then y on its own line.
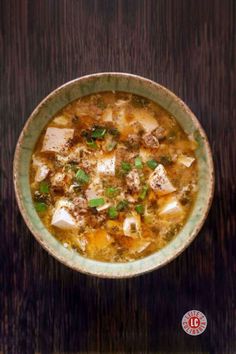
pixel 114 176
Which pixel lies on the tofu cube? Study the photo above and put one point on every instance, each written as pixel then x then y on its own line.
pixel 159 181
pixel 107 165
pixel 41 173
pixel 171 207
pixel 146 119
pixel 132 226
pixel 41 168
pixel 63 219
pixel 55 139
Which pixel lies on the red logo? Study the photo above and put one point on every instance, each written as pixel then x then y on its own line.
pixel 194 322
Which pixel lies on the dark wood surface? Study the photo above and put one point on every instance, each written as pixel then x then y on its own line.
pixel 188 46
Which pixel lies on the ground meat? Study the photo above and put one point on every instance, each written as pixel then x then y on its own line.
pixel 133 141
pixel 97 220
pixel 137 127
pixel 58 180
pixel 160 133
pixel 150 141
pixel 133 181
pixel 121 153
pixel 87 165
pixel 124 154
pixel 80 204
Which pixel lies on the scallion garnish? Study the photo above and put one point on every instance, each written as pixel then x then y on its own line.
pixel 111 192
pixel 82 177
pixel 138 162
pixel 122 205
pixel 143 193
pixel 112 212
pixel 98 133
pixel 139 208
pixel 97 202
pixel 40 206
pixel 152 164
pixel 44 187
pixel 126 167
pixel 92 144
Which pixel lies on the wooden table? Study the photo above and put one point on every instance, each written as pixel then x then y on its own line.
pixel 186 45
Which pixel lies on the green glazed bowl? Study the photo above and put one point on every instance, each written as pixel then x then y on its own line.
pixel 109 82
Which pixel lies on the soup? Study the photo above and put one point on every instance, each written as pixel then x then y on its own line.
pixel 114 177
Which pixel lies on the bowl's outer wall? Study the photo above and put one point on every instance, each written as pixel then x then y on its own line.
pixel 109 82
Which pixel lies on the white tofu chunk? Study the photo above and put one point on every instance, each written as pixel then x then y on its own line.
pixel 132 226
pixel 106 165
pixel 41 173
pixel 148 122
pixel 55 139
pixel 186 160
pixel 171 206
pixel 63 219
pixel 159 181
pixel 41 168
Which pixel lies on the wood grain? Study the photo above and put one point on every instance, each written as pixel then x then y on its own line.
pixel 188 46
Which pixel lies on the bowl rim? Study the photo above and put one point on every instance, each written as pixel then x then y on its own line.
pixel 184 245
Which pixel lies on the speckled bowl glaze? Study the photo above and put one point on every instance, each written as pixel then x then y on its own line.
pixel 108 82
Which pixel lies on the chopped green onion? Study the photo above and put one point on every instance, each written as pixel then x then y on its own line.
pixel 40 206
pixel 152 164
pixel 94 203
pixel 81 176
pixel 92 144
pixel 138 162
pixel 44 187
pixel 122 205
pixel 143 192
pixel 126 167
pixel 111 192
pixel 112 212
pixel 139 208
pixel 98 133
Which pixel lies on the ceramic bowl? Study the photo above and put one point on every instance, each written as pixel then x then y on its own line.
pixel 109 82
